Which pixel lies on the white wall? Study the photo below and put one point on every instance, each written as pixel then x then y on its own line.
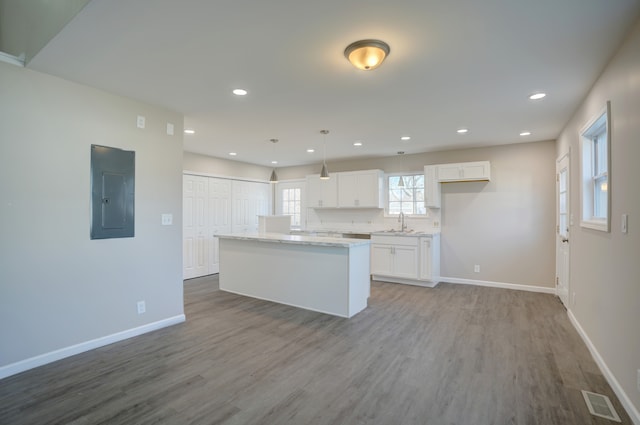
pixel 58 288
pixel 506 225
pixel 604 267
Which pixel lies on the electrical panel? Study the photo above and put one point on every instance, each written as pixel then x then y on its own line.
pixel 112 192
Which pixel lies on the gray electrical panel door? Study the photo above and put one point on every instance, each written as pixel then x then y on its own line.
pixel 112 192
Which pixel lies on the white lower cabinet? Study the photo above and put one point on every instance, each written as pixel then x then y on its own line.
pixel 410 259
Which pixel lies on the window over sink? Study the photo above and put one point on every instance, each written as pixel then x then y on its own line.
pixel 407 197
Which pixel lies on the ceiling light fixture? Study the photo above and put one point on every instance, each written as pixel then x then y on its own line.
pixel 311 150
pixel 239 92
pixel 463 130
pixel 358 144
pixel 233 153
pixel 367 55
pixel 525 133
pixel 189 131
pixel 537 96
pixel 405 138
pixel 324 173
pixel 274 177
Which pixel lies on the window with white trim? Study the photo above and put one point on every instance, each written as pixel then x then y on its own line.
pixel 292 204
pixel 407 197
pixel 595 188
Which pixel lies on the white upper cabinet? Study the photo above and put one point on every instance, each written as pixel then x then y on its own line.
pixel 431 187
pixel 465 171
pixel 360 189
pixel 322 193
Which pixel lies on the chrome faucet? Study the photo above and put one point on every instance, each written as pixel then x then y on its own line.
pixel 403 226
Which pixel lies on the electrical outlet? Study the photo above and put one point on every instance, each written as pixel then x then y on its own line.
pixel 476 268
pixel 167 219
pixel 142 307
pixel 141 121
pixel 169 129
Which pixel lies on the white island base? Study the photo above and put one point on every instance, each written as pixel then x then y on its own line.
pixel 328 275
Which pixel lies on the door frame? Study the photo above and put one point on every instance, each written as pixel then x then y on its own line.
pixel 562 239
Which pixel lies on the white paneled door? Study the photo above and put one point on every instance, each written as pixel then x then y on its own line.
pixel 563 221
pixel 219 218
pixel 212 206
pixel 195 226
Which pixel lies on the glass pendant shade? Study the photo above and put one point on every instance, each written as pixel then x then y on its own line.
pixel 367 55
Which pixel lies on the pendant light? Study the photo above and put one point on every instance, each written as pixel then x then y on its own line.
pixel 324 173
pixel 401 182
pixel 274 176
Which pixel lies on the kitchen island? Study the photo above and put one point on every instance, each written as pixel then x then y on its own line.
pixel 324 274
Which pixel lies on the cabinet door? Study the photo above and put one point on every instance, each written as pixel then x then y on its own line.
pixel 360 189
pixel 381 260
pixel 475 170
pixel 431 187
pixel 426 259
pixel 322 193
pixel 347 190
pixel 405 261
pixel 449 172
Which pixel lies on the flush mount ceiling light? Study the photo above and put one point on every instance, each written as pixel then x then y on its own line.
pixel 324 173
pixel 274 177
pixel 537 96
pixel 239 92
pixel 367 55
pixel 405 138
pixel 357 144
pixel 463 130
pixel 189 131
pixel 311 150
pixel 525 133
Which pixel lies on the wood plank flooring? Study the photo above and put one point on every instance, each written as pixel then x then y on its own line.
pixel 453 354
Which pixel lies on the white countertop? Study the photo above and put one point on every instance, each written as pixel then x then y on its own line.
pixel 406 234
pixel 296 239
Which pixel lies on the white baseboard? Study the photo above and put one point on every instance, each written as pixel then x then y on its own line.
pixel 633 413
pixel 30 363
pixel 530 288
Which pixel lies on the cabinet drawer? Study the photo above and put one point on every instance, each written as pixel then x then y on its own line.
pixel 394 240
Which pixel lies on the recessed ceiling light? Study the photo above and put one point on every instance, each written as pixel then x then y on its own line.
pixel 274 162
pixel 537 96
pixel 525 133
pixel 239 92
pixel 357 144
pixel 405 138
pixel 233 153
pixel 189 131
pixel 463 130
pixel 311 150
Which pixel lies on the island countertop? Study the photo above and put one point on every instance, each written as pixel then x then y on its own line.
pixel 295 239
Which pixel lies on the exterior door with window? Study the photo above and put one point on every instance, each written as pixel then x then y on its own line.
pixel 562 229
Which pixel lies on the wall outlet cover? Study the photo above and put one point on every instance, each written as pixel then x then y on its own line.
pixel 141 121
pixel 142 308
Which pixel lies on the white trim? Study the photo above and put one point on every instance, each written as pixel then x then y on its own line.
pixel 52 356
pixel 13 60
pixel 633 413
pixel 415 282
pixel 220 176
pixel 516 286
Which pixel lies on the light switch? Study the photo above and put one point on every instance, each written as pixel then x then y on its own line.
pixel 169 129
pixel 625 223
pixel 167 219
pixel 141 121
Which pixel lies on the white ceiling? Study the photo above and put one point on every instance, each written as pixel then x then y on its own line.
pixel 453 64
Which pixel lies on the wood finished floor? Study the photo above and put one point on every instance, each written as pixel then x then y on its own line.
pixel 450 355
